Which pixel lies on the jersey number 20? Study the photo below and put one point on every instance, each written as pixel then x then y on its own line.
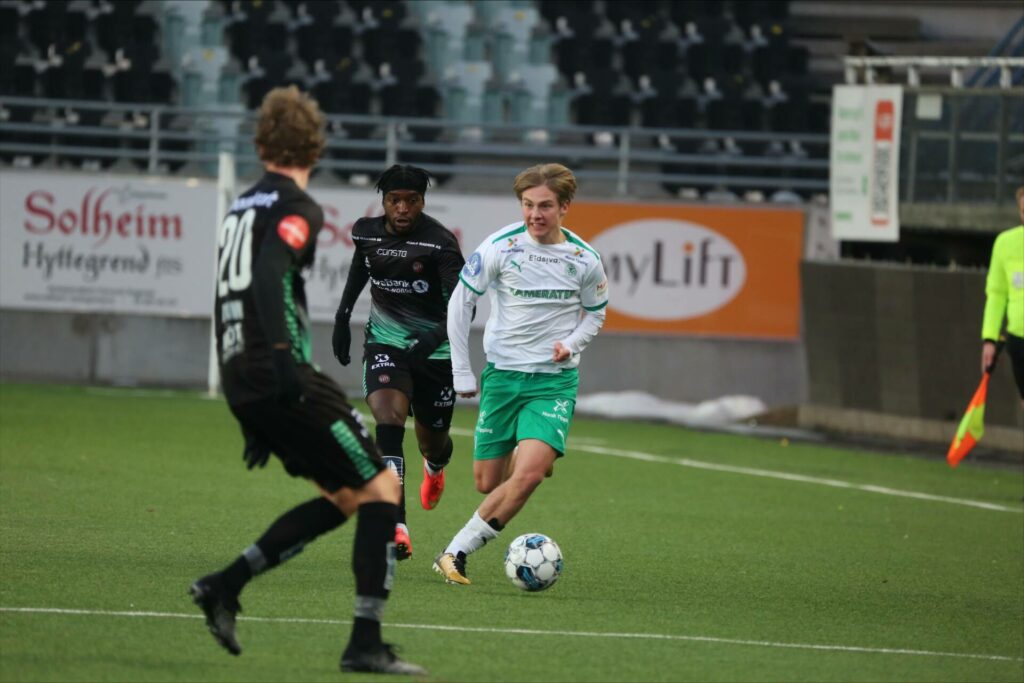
pixel 234 265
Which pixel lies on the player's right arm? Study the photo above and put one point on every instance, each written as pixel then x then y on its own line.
pixel 996 292
pixel 475 277
pixel 358 275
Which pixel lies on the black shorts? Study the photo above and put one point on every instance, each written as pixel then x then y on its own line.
pixel 427 385
pixel 321 437
pixel 1015 350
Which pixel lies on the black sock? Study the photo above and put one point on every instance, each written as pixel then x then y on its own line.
pixel 389 440
pixel 440 460
pixel 285 538
pixel 373 562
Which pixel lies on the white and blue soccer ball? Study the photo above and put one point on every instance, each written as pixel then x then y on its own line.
pixel 533 562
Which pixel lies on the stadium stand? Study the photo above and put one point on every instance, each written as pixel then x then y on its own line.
pixel 708 91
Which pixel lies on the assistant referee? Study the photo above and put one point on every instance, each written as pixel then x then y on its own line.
pixel 1004 297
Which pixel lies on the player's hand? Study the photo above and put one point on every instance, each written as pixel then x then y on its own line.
pixel 464 385
pixel 561 353
pixel 988 354
pixel 289 385
pixel 341 341
pixel 256 453
pixel 422 345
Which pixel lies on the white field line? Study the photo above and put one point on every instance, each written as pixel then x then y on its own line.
pixel 535 632
pixel 771 474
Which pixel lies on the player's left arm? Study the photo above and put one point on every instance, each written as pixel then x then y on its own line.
pixel 594 301
pixel 291 236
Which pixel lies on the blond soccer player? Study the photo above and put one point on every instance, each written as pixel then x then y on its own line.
pixel 548 298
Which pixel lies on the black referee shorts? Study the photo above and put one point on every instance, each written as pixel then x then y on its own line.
pixel 321 438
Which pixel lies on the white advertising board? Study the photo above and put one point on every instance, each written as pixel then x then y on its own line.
pixel 105 243
pixel 864 168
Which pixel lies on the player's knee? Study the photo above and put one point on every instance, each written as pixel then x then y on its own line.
pixel 389 416
pixel 486 482
pixel 527 480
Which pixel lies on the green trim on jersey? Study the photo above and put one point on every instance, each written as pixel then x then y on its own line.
pixel 359 457
pixel 521 228
pixel 579 243
pixel 382 329
pixel 471 287
pixel 596 308
pixel 297 335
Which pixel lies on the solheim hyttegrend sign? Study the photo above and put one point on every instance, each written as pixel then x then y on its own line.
pixel 666 269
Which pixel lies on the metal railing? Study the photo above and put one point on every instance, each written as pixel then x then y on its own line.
pixel 162 139
pixel 961 144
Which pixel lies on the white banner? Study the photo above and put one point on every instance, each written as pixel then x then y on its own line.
pixel 864 168
pixel 470 217
pixel 104 243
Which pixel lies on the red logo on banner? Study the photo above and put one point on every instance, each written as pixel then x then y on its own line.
pixel 294 231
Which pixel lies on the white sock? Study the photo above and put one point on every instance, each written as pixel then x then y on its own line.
pixel 431 467
pixel 472 537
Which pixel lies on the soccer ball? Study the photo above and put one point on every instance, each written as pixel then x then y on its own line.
pixel 533 562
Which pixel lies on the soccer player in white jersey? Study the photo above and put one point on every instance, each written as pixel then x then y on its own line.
pixel 548 298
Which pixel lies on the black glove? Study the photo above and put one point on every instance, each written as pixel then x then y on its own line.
pixel 289 386
pixel 255 454
pixel 341 341
pixel 422 345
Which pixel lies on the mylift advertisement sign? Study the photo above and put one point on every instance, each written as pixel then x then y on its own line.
pixel 864 168
pixel 715 271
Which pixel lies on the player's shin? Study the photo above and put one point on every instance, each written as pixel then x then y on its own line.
pixel 437 462
pixel 389 440
pixel 285 538
pixel 373 562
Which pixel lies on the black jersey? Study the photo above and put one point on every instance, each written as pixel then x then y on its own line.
pixel 411 278
pixel 267 238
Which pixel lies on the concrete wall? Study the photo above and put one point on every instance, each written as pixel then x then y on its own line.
pixel 136 350
pixel 900 340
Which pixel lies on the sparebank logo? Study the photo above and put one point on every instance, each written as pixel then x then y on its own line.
pixel 664 269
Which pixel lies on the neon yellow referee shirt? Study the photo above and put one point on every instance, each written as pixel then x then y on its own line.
pixel 1004 288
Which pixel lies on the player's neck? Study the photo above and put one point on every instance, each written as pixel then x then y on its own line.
pixel 299 175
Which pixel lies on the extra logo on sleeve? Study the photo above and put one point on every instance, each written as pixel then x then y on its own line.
pixel 293 231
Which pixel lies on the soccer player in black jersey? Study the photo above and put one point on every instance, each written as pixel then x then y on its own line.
pixel 412 263
pixel 286 406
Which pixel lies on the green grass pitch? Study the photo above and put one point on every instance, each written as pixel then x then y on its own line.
pixel 690 556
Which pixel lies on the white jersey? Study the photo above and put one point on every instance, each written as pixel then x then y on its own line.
pixel 540 294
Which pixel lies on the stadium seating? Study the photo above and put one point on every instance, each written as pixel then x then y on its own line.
pixel 536 63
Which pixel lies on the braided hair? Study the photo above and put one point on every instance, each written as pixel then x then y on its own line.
pixel 403 177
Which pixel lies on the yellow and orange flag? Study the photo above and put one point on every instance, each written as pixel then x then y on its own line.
pixel 972 426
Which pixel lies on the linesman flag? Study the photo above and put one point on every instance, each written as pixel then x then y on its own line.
pixel 972 426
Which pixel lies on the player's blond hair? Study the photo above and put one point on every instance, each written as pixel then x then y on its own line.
pixel 555 177
pixel 290 129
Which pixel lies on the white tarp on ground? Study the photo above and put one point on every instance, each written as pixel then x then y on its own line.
pixel 639 405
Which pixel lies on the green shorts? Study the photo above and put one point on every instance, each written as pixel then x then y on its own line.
pixel 524 405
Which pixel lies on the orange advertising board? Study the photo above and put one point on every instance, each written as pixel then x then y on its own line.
pixel 717 271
